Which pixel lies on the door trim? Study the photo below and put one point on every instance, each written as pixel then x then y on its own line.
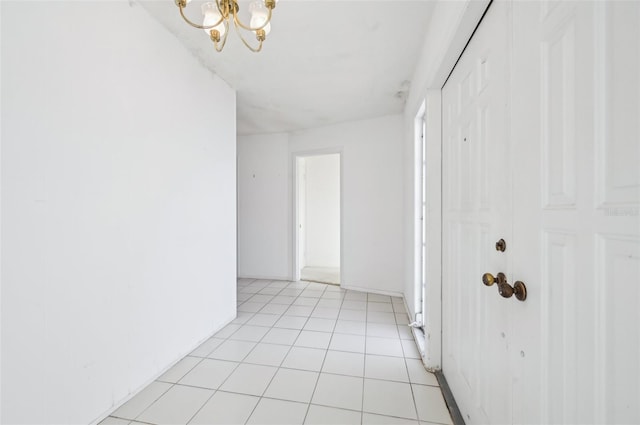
pixel 295 234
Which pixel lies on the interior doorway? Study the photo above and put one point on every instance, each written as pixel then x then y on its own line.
pixel 318 218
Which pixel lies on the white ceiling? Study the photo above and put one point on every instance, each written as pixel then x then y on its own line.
pixel 324 61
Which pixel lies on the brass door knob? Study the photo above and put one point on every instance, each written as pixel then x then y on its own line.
pixel 519 289
pixel 488 279
pixel 505 290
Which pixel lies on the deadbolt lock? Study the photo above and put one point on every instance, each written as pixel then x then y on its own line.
pixel 501 245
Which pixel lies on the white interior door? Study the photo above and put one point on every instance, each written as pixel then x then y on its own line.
pixel 476 213
pixel 576 242
pixel 560 177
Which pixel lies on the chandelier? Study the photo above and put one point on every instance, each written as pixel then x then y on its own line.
pixel 218 14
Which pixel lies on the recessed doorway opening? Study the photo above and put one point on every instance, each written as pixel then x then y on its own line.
pixel 318 218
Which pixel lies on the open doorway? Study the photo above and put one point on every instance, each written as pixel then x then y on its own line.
pixel 318 218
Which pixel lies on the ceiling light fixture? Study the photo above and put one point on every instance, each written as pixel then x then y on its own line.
pixel 218 13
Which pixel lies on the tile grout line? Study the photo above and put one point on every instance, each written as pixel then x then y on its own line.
pixel 215 390
pixel 315 387
pixel 267 386
pixel 271 380
pixel 364 362
pixel 319 296
pixel 242 360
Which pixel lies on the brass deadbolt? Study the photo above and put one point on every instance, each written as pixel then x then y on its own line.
pixel 501 245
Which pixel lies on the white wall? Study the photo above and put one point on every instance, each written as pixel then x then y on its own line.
pixel 263 207
pixel 118 206
pixel 372 215
pixel 301 201
pixel 322 210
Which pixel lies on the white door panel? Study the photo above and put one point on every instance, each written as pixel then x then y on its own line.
pixel 477 207
pixel 576 232
pixel 547 95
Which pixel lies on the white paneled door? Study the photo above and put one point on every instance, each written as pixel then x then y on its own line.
pixel 541 147
pixel 476 213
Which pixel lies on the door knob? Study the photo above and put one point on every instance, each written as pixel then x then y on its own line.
pixel 505 290
pixel 488 279
pixel 519 289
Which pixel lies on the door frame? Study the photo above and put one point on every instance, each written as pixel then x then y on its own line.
pixel 295 156
pixel 455 31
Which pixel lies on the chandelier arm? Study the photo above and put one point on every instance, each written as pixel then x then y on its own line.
pixel 248 27
pixel 257 49
pixel 224 39
pixel 193 24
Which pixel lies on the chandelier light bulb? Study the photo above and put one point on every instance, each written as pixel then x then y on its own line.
pixel 259 15
pixel 220 15
pixel 211 16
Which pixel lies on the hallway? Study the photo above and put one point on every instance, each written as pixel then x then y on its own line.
pixel 297 353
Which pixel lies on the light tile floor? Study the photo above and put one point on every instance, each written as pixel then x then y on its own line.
pixel 298 353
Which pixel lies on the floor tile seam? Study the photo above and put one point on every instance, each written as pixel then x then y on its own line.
pixel 201 407
pixel 283 359
pixel 418 384
pixel 283 399
pixel 413 396
pixel 201 359
pixel 279 343
pixel 209 388
pixel 247 340
pixel 367 377
pixel 259 326
pixel 219 360
pixel 346 351
pixel 153 402
pixel 298 336
pixel 392 416
pixel 260 341
pixel 364 362
pixel 315 388
pixel 137 421
pixel 335 323
pixel 300 369
pixel 252 410
pixel 335 407
pixel 262 394
pixel 404 351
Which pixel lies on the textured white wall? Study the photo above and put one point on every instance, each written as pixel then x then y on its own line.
pixel 322 210
pixel 372 214
pixel 264 207
pixel 118 206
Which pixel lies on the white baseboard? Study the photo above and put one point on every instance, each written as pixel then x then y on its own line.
pixel 262 277
pixel 372 290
